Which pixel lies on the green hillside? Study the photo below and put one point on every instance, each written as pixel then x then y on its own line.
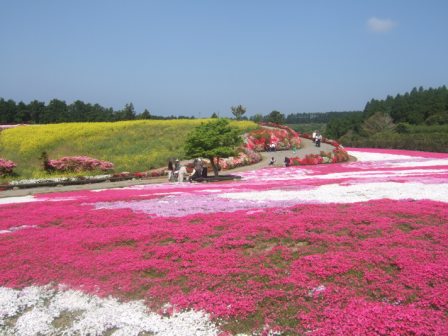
pixel 130 145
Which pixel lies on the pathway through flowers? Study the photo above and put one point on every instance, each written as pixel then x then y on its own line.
pixel 354 248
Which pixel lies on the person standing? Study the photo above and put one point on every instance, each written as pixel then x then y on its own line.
pixel 198 166
pixel 181 173
pixel 177 165
pixel 271 163
pixel 318 139
pixel 170 170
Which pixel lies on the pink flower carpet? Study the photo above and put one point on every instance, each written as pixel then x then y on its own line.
pixel 357 248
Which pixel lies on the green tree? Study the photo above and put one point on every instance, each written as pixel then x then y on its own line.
pixel 212 140
pixel 55 112
pixel 376 123
pixel 78 111
pixel 214 115
pixel 238 111
pixel 8 110
pixel 145 115
pixel 129 112
pixel 257 118
pixel 23 114
pixel 276 117
pixel 37 109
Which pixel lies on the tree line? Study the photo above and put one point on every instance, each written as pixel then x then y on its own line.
pixel 418 107
pixel 58 111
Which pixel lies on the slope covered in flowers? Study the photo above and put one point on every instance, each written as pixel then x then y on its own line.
pixel 354 248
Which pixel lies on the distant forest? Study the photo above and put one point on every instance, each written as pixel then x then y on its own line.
pixel 57 111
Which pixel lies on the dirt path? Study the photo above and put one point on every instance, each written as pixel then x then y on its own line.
pixel 307 147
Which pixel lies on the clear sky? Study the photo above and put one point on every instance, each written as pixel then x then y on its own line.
pixel 197 57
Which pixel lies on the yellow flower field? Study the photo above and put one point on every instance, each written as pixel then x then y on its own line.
pixel 130 145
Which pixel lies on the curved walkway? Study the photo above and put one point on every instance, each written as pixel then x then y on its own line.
pixel 307 147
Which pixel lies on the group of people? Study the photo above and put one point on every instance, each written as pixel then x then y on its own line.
pixel 317 138
pixel 178 172
pixel 272 147
pixel 287 161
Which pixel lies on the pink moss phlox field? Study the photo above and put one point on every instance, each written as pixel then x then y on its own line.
pixel 377 267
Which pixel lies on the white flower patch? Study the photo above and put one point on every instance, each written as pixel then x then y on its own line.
pixel 374 157
pixel 336 193
pixel 418 163
pixel 35 322
pixel 38 182
pixel 17 228
pixel 19 199
pixel 369 174
pixel 32 311
pixel 276 174
pixel 395 160
pixel 30 198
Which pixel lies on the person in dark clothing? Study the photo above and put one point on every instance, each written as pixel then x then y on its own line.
pixel 170 170
pixel 198 166
pixel 318 139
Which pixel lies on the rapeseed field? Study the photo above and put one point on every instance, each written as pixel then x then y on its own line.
pixel 130 145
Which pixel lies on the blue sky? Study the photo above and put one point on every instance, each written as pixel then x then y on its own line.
pixel 199 57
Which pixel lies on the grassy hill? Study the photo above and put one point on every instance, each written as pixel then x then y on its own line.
pixel 130 145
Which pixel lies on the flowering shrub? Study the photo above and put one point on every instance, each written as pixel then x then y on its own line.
pixel 284 127
pixel 156 172
pixel 282 136
pixel 245 157
pixel 78 164
pixel 337 155
pixel 351 249
pixel 6 167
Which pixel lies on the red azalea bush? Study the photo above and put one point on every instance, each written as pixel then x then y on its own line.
pixel 6 167
pixel 282 136
pixel 337 155
pixel 156 172
pixel 78 164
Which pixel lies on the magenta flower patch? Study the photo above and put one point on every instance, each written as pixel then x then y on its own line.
pixel 354 248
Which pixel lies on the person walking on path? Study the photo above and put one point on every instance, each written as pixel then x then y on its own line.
pixel 272 161
pixel 318 139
